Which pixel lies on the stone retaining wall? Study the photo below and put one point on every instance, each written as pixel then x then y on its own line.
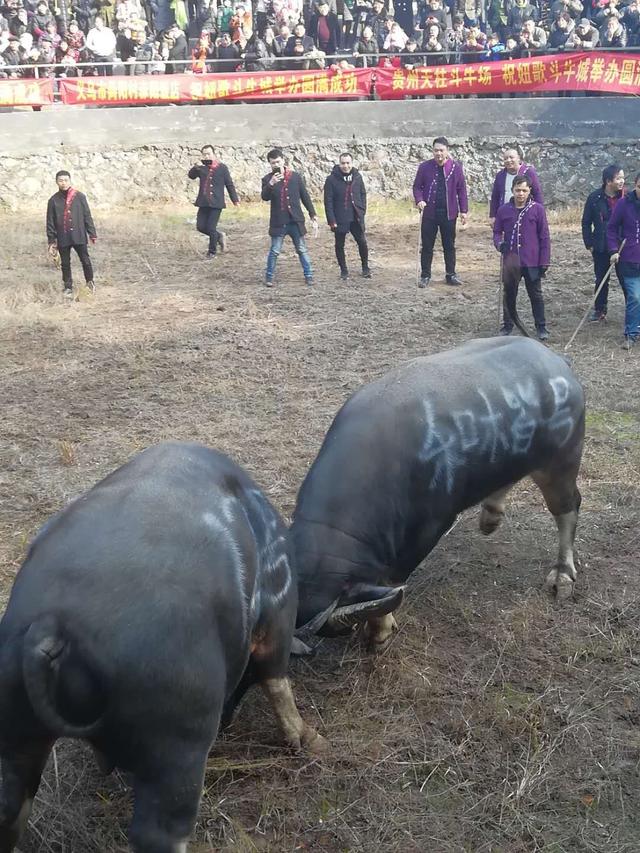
pixel 139 157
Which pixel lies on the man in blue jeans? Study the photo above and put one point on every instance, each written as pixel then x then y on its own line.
pixel 287 192
pixel 625 225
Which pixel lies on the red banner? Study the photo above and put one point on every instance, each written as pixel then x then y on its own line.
pixel 244 86
pixel 594 71
pixel 26 93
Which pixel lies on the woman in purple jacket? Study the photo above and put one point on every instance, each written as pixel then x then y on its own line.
pixel 440 193
pixel 521 234
pixel 625 225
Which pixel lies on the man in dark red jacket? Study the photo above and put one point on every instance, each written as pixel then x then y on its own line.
pixel 345 205
pixel 287 193
pixel 214 176
pixel 521 235
pixel 440 192
pixel 70 226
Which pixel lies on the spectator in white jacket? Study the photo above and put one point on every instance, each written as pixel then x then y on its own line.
pixel 101 41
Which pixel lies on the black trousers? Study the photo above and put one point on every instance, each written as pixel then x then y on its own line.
pixel 82 252
pixel 430 228
pixel 533 282
pixel 601 263
pixel 359 236
pixel 207 223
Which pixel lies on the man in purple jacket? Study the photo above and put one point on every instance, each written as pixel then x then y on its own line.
pixel 625 225
pixel 440 192
pixel 521 235
pixel 503 183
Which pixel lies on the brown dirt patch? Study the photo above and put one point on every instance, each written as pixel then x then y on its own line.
pixel 496 721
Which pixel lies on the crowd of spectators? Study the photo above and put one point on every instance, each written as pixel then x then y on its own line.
pixel 59 37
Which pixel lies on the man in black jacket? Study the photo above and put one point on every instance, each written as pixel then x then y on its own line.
pixel 214 176
pixel 595 218
pixel 287 192
pixel 345 204
pixel 324 29
pixel 175 50
pixel 70 226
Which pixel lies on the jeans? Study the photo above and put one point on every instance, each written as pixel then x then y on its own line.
pixel 631 289
pixel 292 229
pixel 601 263
pixel 511 280
pixel 65 262
pixel 358 235
pixel 207 223
pixel 447 229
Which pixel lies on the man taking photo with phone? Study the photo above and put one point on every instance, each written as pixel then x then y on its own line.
pixel 287 193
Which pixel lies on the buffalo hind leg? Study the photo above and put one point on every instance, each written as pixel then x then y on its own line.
pixel 492 511
pixel 167 797
pixel 270 662
pixel 21 772
pixel 378 630
pixel 560 492
pixel 296 732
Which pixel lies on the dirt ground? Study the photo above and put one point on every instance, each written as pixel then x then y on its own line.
pixel 496 721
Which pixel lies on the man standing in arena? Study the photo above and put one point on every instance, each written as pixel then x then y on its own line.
pixel 345 204
pixel 214 176
pixel 440 192
pixel 521 235
pixel 503 183
pixel 287 193
pixel 595 220
pixel 70 226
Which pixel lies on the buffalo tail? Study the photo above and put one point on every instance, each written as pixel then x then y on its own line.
pixel 51 669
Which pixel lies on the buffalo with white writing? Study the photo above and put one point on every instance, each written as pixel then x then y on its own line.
pixel 141 614
pixel 410 451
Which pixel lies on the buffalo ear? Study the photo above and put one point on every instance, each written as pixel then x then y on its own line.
pixel 361 602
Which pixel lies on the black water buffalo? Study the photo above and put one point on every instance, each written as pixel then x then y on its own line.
pixel 410 451
pixel 140 610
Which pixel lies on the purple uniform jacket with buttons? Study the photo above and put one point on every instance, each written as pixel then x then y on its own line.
pixel 425 187
pixel 524 233
pixel 625 225
pixel 497 194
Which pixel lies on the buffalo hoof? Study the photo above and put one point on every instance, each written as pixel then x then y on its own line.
pixel 378 633
pixel 559 583
pixel 489 521
pixel 312 742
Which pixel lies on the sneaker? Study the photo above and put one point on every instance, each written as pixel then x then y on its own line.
pixel 91 287
pixel 308 280
pixel 505 330
pixel 366 272
pixel 543 334
pixel 454 281
pixel 424 281
pixel 629 342
pixel 344 274
pixel 596 316
pixel 222 241
pixel 68 292
pixel 211 255
pixel 268 282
